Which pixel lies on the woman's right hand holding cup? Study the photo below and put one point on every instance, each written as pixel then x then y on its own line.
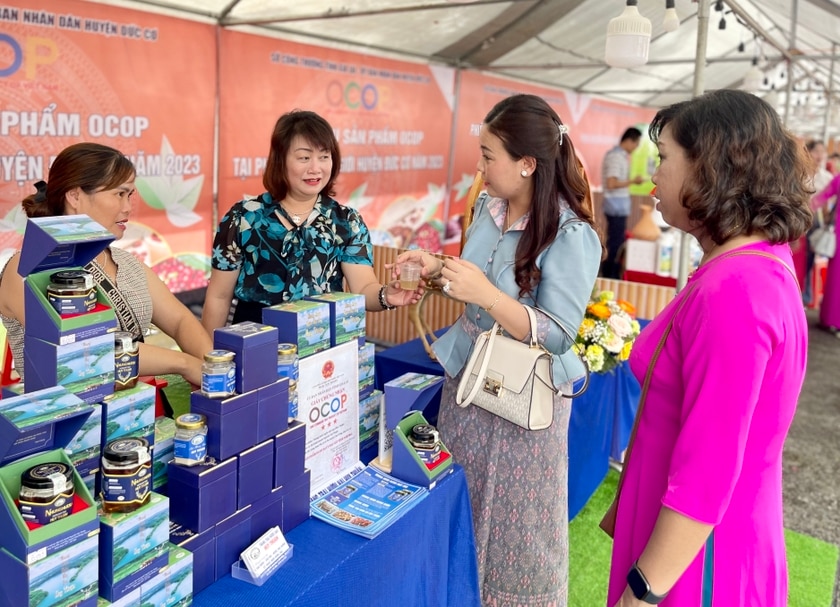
pixel 416 268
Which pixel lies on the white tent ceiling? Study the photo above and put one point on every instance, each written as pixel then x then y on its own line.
pixel 561 43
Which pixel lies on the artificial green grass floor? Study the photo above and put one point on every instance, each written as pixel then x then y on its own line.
pixel 812 563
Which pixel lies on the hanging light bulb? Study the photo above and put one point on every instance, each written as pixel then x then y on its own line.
pixel 671 21
pixel 754 77
pixel 722 23
pixel 628 38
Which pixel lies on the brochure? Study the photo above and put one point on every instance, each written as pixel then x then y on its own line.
pixel 367 502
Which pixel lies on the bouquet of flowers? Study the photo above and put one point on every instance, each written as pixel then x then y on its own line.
pixel 607 332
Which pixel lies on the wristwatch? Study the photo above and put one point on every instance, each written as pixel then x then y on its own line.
pixel 641 588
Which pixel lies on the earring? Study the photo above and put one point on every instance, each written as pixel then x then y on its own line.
pixel 524 173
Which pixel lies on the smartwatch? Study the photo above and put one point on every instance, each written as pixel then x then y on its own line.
pixel 641 588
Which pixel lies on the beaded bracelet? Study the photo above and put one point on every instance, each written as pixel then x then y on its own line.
pixel 495 301
pixel 384 302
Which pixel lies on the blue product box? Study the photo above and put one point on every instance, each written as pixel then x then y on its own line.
pixel 130 544
pixel 367 361
pixel 61 243
pixel 295 502
pixel 203 548
pixel 201 496
pixel 85 445
pixel 409 392
pixel 41 420
pixel 87 466
pixel 255 347
pixel 164 451
pixel 289 453
pixel 129 413
pixel 266 513
pixel 65 578
pixel 132 599
pixel 255 473
pixel 408 465
pixel 303 322
pixel 369 409
pixel 174 584
pixel 231 422
pixel 233 536
pixel 366 387
pixel 85 368
pixel 347 316
pixel 272 409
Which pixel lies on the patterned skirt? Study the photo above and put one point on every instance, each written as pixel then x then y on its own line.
pixel 518 483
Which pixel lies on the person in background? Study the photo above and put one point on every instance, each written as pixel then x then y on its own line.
pixel 824 202
pixel 616 177
pixel 294 240
pixel 532 241
pixel 819 180
pixel 700 507
pixel 98 181
pixel 833 163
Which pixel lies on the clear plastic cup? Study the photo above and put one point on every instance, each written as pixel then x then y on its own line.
pixel 410 275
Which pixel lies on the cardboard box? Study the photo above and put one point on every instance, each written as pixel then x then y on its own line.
pixel 305 323
pixel 130 546
pixel 64 578
pixel 203 549
pixel 408 392
pixel 174 584
pixel 164 451
pixel 289 454
pixel 272 409
pixel 640 255
pixel 59 243
pixel 132 599
pixel 369 409
pixel 407 464
pixel 347 316
pixel 255 349
pixel 31 545
pixel 129 413
pixel 231 422
pixel 233 536
pixel 295 501
pixel 201 496
pixel 85 447
pixel 40 420
pixel 255 473
pixel 267 512
pixel 85 368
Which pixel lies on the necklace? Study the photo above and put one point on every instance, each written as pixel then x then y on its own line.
pixel 297 218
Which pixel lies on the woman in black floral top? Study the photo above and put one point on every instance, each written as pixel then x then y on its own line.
pixel 294 240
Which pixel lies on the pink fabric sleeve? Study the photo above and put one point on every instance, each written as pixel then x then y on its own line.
pixel 820 199
pixel 725 340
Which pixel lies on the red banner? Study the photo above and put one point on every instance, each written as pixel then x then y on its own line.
pixel 392 120
pixel 595 126
pixel 143 83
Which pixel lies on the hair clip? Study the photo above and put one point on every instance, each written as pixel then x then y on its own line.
pixel 562 129
pixel 41 194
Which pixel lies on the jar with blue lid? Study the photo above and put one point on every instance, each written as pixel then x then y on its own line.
pixel 218 374
pixel 287 361
pixel 190 439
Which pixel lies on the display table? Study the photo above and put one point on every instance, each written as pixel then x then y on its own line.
pixel 425 558
pixel 600 423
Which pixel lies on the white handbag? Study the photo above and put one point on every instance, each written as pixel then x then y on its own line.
pixel 822 239
pixel 512 379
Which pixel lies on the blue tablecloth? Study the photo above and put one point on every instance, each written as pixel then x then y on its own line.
pixel 427 558
pixel 600 425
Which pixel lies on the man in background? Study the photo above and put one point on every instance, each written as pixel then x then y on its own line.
pixel 616 179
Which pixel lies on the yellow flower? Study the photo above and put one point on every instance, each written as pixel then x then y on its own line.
pixel 625 351
pixel 606 296
pixel 586 327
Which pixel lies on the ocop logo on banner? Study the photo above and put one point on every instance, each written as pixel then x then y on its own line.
pixel 356 95
pixel 327 408
pixel 33 52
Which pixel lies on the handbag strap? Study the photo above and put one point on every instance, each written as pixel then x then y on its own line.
pixel 485 362
pixel 581 356
pixel 661 344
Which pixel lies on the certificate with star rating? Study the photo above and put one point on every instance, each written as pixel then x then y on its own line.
pixel 328 403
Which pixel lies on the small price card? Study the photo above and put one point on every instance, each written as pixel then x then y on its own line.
pixel 264 554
